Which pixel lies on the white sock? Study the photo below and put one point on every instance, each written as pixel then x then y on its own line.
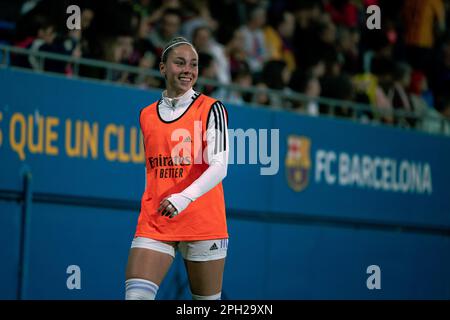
pixel 212 297
pixel 140 289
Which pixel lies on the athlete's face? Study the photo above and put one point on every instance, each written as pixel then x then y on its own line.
pixel 180 70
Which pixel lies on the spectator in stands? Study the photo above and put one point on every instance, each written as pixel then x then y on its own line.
pixel 383 71
pixel 142 43
pixel 377 46
pixel 308 14
pixel 145 58
pixel 147 62
pixel 322 43
pixel 152 11
pixel 113 42
pixel 442 66
pixel 420 18
pixel 421 99
pixel 308 84
pixel 34 32
pixel 348 49
pixel 117 50
pixel 275 75
pixel 243 78
pixel 254 43
pixel 326 47
pixel 278 35
pixel 419 89
pixel 86 32
pixel 70 42
pixel 207 69
pixel 261 97
pixel 337 87
pixel 236 52
pixel 343 12
pixel 199 16
pixel 204 42
pixel 317 67
pixel 366 92
pixel 167 28
pixel 399 95
pixel 227 13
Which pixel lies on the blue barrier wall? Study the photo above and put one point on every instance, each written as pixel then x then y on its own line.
pixel 345 196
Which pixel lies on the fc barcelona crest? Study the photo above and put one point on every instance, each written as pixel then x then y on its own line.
pixel 298 162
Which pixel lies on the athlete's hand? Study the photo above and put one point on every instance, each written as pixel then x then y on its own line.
pixel 167 209
pixel 177 201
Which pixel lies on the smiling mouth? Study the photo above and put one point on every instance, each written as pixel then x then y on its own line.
pixel 185 79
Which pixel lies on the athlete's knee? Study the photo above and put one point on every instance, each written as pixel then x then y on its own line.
pixel 140 289
pixel 216 296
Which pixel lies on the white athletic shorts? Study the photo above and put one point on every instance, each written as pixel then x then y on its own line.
pixel 204 250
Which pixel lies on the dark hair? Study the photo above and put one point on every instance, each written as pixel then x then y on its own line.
pixel 175 42
pixel 300 79
pixel 275 19
pixel 253 10
pixel 205 61
pixel 272 74
pixel 172 11
pixel 241 69
pixel 198 29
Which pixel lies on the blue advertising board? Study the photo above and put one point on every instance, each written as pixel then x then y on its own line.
pixel 323 199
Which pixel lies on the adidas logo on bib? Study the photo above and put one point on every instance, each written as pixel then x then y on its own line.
pixel 214 247
pixel 187 139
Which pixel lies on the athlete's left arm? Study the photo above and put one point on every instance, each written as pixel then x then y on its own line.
pixel 217 141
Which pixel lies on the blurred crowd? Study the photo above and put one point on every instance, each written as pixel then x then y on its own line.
pixel 313 47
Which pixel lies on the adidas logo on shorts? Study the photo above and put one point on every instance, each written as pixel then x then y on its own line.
pixel 214 247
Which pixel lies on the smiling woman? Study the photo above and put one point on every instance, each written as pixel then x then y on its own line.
pixel 181 71
pixel 183 205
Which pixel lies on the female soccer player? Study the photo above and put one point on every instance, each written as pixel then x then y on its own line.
pixel 182 208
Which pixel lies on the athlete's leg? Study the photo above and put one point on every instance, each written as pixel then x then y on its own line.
pixel 205 278
pixel 205 263
pixel 148 263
